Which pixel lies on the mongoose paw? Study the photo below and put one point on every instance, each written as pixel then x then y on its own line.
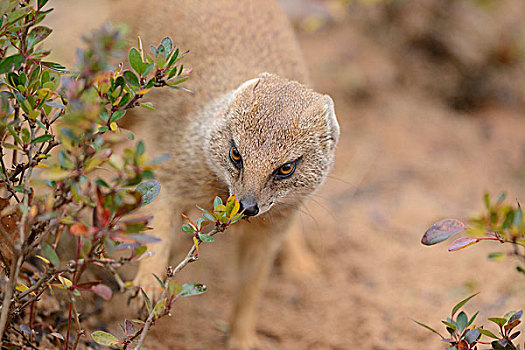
pixel 245 342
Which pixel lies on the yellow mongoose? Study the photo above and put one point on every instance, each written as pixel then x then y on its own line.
pixel 265 137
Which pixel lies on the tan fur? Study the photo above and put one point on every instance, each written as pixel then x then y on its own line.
pixel 271 118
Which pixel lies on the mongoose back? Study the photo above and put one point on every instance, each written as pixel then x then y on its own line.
pixel 252 128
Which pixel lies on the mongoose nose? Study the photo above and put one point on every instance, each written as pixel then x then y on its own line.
pixel 250 208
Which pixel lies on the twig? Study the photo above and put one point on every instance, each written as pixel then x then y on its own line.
pixel 28 343
pixel 80 331
pixel 37 285
pixel 190 257
pixel 117 278
pixel 18 256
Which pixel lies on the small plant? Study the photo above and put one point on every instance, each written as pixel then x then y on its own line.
pixel 134 332
pixel 464 335
pixel 68 202
pixel 501 222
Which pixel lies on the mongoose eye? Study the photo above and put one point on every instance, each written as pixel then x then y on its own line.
pixel 285 170
pixel 235 157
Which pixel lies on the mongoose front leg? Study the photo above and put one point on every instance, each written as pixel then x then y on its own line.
pixel 256 251
pixel 296 258
pixel 163 223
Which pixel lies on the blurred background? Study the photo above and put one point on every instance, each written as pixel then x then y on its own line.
pixel 430 95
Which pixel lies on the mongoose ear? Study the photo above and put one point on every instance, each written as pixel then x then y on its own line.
pixel 244 95
pixel 329 114
pixel 248 83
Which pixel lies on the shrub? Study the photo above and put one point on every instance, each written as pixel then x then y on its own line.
pixel 502 223
pixel 63 225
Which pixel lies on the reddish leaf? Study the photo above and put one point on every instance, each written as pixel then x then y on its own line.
pixel 442 230
pixel 462 242
pixel 463 345
pixel 103 291
pixel 79 229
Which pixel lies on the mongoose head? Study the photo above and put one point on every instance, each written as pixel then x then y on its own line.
pixel 274 143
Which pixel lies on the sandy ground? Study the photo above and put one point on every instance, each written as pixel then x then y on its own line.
pixel 405 160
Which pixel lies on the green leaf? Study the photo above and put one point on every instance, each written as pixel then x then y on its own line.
pixel 450 325
pixel 132 80
pixel 25 135
pixel 103 128
pixel 104 116
pixel 501 198
pixel 13 133
pixel 159 281
pixel 41 3
pixel 135 60
pixel 428 327
pixel 55 174
pixel 442 230
pixel 174 288
pixel 11 63
pixel 37 35
pixel 488 333
pixel 518 216
pixel 177 82
pixel 104 338
pixel 497 256
pixel 50 254
pixel 486 199
pixel 461 303
pixel 124 99
pixel 187 228
pixel 208 217
pixel 189 289
pixel 146 300
pixel 498 320
pixel 42 138
pixel 146 68
pixel 472 319
pixel 154 50
pixel 117 115
pixel 462 321
pixel 206 238
pixel 140 148
pixel 147 105
pixel 131 135
pixel 149 190
pixel 159 306
pixel 54 67
pixel 173 58
pixel 168 44
pixel 217 201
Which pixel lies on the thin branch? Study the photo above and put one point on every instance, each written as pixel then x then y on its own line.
pixel 47 277
pixel 190 257
pixel 18 256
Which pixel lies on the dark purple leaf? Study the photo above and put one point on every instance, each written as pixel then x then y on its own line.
pixel 144 238
pixel 25 328
pixel 129 328
pixel 442 230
